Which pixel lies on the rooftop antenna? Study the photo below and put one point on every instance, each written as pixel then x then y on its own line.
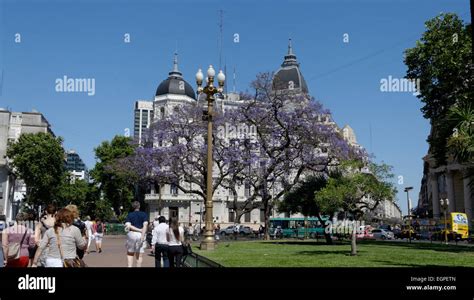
pixel 225 73
pixel 1 82
pixel 370 131
pixel 219 40
pixel 233 81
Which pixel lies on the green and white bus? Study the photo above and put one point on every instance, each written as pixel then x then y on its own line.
pixel 295 227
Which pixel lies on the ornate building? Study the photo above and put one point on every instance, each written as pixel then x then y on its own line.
pixel 174 91
pixel 449 179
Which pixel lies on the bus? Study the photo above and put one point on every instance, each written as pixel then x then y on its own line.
pixel 457 227
pixel 295 227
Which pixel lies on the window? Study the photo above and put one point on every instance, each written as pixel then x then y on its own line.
pixel 162 112
pixel 262 215
pixel 247 217
pixel 173 189
pixel 247 189
pixel 231 216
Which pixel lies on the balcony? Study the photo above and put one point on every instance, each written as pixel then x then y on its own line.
pixel 169 197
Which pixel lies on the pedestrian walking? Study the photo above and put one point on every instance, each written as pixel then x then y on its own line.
pixel 160 243
pixel 236 231
pixel 98 230
pixel 79 224
pixel 136 225
pixel 197 230
pixel 16 240
pixel 175 243
pixel 61 242
pixel 90 235
pixel 217 230
pixel 190 231
pixel 30 223
pixel 3 226
pixel 46 222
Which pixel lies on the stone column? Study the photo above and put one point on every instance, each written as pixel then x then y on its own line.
pixel 467 199
pixel 450 191
pixel 434 195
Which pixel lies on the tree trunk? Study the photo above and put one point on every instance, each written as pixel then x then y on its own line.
pixel 354 240
pixel 266 207
pixel 305 227
pixel 327 236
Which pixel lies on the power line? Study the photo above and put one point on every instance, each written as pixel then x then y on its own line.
pixel 219 40
pixel 368 56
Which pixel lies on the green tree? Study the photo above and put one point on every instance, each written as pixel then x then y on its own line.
pixel 441 61
pixel 301 199
pixel 351 191
pixel 115 184
pixel 74 192
pixel 38 159
pixel 461 142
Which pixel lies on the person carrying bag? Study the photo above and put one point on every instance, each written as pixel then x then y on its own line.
pixel 14 249
pixel 70 262
pixel 68 240
pixel 15 242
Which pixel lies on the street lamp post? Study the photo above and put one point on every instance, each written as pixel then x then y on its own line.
pixel 209 243
pixel 407 190
pixel 444 201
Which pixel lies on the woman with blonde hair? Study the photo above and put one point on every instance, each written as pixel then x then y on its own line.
pixel 61 241
pixel 79 224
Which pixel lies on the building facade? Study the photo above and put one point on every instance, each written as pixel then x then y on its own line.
pixel 143 116
pixel 448 180
pixel 76 167
pixel 12 125
pixel 168 200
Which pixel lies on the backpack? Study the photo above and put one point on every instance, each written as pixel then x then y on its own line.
pixel 100 228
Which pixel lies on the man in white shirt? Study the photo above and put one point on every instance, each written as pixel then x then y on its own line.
pixel 160 243
pixel 90 236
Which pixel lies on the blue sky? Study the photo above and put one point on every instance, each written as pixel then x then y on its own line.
pixel 85 39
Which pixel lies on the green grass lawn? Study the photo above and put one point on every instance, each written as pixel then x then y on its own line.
pixel 312 254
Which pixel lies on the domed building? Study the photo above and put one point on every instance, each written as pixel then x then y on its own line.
pixel 175 84
pixel 167 199
pixel 172 91
pixel 289 76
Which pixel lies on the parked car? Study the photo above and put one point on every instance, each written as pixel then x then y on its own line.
pixel 397 233
pixel 383 234
pixel 245 230
pixel 386 227
pixel 364 232
pixel 229 230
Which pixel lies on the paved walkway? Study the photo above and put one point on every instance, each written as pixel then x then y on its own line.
pixel 114 254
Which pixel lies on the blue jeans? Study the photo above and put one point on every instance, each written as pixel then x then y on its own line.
pixel 161 250
pixel 1 257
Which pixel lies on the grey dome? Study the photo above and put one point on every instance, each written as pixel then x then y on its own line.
pixel 289 72
pixel 175 83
